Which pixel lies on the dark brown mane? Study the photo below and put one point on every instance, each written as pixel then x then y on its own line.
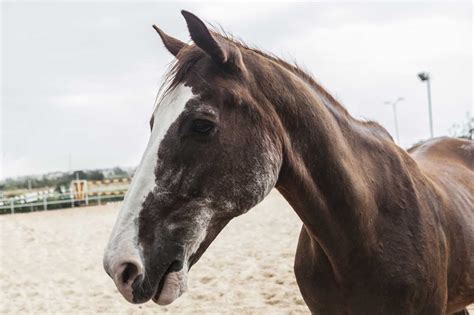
pixel 188 57
pixel 292 67
pixel 178 69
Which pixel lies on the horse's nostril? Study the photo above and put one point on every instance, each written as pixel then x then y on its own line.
pixel 129 274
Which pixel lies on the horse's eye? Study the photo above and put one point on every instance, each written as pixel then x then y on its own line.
pixel 202 127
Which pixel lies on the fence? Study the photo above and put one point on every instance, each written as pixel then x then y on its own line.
pixel 80 192
pixel 55 202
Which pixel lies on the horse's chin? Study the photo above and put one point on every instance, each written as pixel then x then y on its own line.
pixel 174 284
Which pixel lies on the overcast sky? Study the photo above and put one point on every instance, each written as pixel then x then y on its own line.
pixel 78 80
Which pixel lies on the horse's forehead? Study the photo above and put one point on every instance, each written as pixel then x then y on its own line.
pixel 165 114
pixel 171 101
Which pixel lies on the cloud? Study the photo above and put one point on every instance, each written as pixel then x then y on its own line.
pixel 240 12
pixel 84 79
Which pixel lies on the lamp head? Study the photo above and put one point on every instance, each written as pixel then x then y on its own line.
pixel 424 76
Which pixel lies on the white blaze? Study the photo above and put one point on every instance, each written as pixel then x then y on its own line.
pixel 123 244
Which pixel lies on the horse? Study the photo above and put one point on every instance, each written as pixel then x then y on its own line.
pixel 385 230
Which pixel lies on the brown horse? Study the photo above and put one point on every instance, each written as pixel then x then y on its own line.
pixel 384 231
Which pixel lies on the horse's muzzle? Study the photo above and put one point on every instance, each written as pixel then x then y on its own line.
pixel 163 271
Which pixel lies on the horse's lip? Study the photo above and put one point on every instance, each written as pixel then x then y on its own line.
pixel 174 266
pixel 159 288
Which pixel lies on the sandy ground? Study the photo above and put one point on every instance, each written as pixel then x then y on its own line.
pixel 51 262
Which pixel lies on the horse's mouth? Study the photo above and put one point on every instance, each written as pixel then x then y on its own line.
pixel 172 284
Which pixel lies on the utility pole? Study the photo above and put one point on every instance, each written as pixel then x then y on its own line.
pixel 425 76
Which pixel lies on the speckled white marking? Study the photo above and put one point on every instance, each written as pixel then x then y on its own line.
pixel 123 244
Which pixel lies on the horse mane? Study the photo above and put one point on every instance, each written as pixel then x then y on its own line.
pixel 181 66
pixel 293 67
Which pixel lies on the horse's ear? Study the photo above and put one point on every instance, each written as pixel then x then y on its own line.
pixel 221 52
pixel 172 44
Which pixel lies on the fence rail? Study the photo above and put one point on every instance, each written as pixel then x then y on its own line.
pixel 12 206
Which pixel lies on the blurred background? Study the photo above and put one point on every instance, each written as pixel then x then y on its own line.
pixel 78 84
pixel 79 79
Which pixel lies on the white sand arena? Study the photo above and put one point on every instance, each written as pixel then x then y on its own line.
pixel 52 263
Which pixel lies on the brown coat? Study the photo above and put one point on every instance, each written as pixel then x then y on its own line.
pixel 385 231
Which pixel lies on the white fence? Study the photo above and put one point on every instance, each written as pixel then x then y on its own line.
pixel 45 202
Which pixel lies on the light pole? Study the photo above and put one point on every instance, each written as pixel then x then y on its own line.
pixel 394 107
pixel 425 76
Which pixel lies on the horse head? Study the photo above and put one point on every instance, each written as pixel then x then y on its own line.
pixel 213 153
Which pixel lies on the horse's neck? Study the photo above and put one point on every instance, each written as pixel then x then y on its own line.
pixel 337 171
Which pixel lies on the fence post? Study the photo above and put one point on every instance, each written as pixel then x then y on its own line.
pixel 12 206
pixel 98 198
pixel 72 201
pixel 45 203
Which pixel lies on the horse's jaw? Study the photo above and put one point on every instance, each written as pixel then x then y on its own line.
pixel 174 285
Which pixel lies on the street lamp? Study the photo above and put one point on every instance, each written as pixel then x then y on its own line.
pixel 394 107
pixel 425 76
